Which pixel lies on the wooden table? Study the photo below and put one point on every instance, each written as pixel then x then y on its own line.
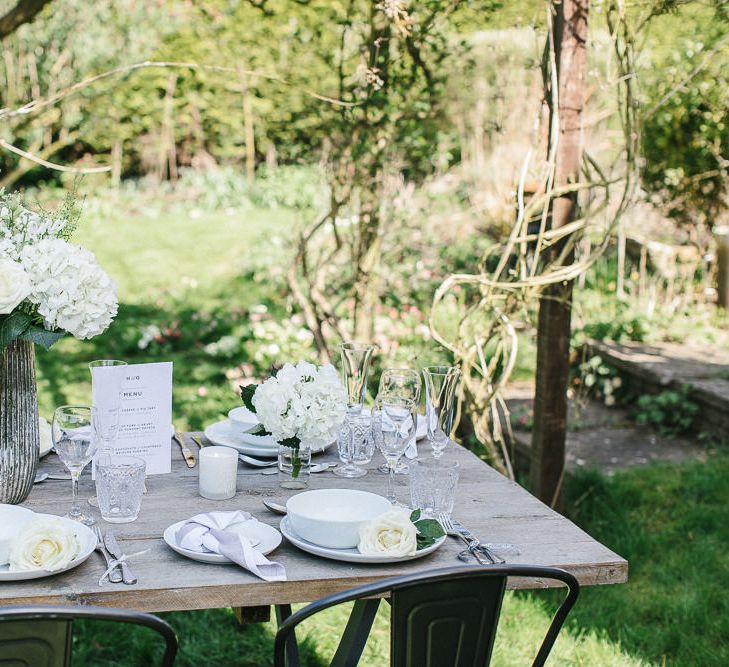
pixel 494 508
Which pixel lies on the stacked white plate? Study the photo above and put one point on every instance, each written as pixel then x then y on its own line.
pixel 232 432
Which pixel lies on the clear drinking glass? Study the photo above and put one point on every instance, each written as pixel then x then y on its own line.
pixel 75 445
pixel 106 411
pixel 356 358
pixel 433 487
pixel 395 423
pixel 403 383
pixel 441 385
pixel 119 488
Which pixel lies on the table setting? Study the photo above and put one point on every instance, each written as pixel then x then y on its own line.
pixel 300 412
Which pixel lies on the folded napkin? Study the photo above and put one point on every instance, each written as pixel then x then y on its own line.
pixel 209 533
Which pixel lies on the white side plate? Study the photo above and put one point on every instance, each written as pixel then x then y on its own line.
pixel 225 434
pixel 349 555
pixel 265 538
pixel 87 543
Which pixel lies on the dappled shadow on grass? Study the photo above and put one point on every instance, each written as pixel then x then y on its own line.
pixel 210 637
pixel 672 524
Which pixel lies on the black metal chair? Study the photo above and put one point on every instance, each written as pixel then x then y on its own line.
pixel 442 618
pixel 40 636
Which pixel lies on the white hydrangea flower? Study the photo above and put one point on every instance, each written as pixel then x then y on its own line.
pixel 69 287
pixel 303 402
pixel 21 227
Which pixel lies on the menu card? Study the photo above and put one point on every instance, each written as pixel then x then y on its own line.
pixel 145 414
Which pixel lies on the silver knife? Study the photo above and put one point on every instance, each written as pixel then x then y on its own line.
pixel 477 543
pixel 115 550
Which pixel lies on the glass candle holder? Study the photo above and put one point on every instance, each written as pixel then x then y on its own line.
pixel 218 472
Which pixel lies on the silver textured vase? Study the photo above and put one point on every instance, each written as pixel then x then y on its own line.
pixel 19 433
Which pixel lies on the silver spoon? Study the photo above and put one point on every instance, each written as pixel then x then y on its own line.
pixel 275 507
pixel 43 476
pixel 317 467
pixel 258 463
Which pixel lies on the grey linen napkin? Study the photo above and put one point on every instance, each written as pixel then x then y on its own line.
pixel 210 533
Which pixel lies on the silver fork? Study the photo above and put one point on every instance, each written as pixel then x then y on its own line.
pixel 115 576
pixel 471 544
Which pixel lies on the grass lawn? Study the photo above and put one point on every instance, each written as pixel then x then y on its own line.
pixel 196 279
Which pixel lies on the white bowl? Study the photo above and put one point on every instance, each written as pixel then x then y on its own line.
pixel 242 418
pixel 333 517
pixel 12 520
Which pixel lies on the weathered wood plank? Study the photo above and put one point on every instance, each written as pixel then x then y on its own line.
pixel 495 508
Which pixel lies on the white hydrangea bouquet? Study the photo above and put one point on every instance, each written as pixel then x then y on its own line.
pixel 48 285
pixel 299 406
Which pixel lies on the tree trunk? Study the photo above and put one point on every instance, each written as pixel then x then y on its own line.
pixel 19 436
pixel 569 29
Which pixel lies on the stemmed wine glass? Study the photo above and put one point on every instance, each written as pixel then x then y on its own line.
pixel 356 358
pixel 394 420
pixel 400 383
pixel 441 385
pixel 75 445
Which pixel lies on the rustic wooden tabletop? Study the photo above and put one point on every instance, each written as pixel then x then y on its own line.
pixel 491 506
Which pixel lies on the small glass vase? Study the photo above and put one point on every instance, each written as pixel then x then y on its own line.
pixel 294 466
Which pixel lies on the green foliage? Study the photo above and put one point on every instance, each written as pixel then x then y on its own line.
pixel 672 411
pixel 686 133
pixel 429 530
pixel 600 380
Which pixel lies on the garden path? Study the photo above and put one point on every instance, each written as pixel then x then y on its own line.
pixel 599 436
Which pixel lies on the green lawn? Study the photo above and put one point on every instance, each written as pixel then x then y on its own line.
pixel 196 279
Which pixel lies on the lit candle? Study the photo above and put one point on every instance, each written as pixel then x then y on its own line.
pixel 218 472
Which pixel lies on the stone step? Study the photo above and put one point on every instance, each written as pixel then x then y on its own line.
pixel 652 368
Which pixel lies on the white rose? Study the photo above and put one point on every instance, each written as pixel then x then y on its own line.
pixel 14 285
pixel 391 534
pixel 46 544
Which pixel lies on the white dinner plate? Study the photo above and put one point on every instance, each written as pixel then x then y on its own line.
pixel 349 555
pixel 87 544
pixel 226 434
pixel 242 417
pixel 264 537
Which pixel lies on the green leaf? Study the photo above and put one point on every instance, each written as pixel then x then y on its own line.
pixel 430 528
pixel 13 326
pixel 290 442
pixel 41 336
pixel 246 393
pixel 415 516
pixel 258 429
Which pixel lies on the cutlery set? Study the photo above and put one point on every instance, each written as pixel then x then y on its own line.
pixel 109 548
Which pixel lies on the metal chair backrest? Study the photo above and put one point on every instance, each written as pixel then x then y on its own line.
pixel 41 636
pixel 442 618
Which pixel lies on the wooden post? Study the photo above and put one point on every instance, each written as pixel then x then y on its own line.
pixel 569 31
pixel 721 235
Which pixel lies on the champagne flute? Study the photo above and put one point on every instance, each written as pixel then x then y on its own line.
pixel 356 358
pixel 394 419
pixel 75 445
pixel 403 383
pixel 441 384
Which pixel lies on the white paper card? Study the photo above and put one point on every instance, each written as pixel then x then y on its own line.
pixel 145 415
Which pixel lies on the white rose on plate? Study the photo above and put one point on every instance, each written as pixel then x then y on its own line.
pixel 14 285
pixel 47 544
pixel 390 534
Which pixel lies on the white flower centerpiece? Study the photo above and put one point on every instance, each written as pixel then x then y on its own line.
pixel 49 287
pixel 301 407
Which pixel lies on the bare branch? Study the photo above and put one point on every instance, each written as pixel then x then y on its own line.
pixel 24 11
